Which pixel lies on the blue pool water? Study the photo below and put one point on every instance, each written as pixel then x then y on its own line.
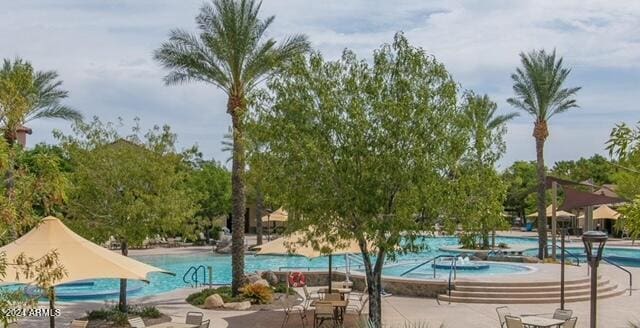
pixel 618 255
pixel 426 271
pixel 221 264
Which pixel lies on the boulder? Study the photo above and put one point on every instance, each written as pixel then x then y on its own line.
pixel 213 301
pixel 240 306
pixel 253 278
pixel 262 282
pixel 481 255
pixel 271 277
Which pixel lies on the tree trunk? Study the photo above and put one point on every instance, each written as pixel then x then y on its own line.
pixel 238 198
pixel 122 302
pixel 259 211
pixel 374 284
pixel 542 201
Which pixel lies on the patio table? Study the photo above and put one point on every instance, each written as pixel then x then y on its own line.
pixel 534 321
pixel 339 307
pixel 341 291
pixel 173 325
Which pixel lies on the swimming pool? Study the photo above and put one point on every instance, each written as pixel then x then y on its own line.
pixel 618 255
pixel 426 271
pixel 221 265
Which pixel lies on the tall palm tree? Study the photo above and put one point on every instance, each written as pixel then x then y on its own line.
pixel 231 53
pixel 480 113
pixel 26 95
pixel 539 91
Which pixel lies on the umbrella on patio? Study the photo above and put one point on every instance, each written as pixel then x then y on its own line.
pixel 296 244
pixel 278 215
pixel 559 213
pixel 81 258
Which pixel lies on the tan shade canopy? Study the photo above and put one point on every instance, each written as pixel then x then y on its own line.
pixel 81 258
pixel 604 212
pixel 278 215
pixel 559 213
pixel 294 244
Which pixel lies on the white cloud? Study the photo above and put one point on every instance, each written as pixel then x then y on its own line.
pixel 102 51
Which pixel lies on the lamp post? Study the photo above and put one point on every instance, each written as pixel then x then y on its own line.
pixel 594 245
pixel 563 232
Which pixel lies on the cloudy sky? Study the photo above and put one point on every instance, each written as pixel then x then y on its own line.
pixel 103 52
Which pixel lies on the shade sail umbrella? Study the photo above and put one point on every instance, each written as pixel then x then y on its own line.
pixel 549 209
pixel 80 258
pixel 296 244
pixel 278 215
pixel 604 212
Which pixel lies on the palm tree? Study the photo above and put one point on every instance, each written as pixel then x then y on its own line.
pixel 480 113
pixel 27 95
pixel 231 53
pixel 538 88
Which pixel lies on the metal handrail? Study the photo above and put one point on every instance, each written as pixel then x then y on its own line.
pixel 564 250
pixel 453 268
pixel 623 269
pixel 184 276
pixel 194 275
pixel 426 262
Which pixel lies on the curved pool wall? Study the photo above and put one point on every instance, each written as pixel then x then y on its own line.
pixel 221 265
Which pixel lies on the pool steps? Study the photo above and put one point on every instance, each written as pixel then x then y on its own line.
pixel 530 292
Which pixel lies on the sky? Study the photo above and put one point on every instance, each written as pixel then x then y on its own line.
pixel 103 53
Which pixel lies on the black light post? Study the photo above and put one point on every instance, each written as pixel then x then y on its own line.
pixel 594 245
pixel 563 232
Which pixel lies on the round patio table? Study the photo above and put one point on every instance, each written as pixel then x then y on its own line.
pixel 534 321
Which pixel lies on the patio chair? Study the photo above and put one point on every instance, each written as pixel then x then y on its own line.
pixel 571 323
pixel 136 322
pixel 513 322
pixel 205 324
pixel 359 307
pixel 194 318
pixel 562 314
pixel 502 312
pixel 322 313
pixel 332 297
pixel 79 324
pixel 300 309
pixel 309 296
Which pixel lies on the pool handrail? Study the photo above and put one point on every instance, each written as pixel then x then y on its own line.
pixel 564 250
pixel 426 262
pixel 194 275
pixel 623 269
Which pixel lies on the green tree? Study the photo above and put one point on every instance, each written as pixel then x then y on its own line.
pixel 357 150
pixel 521 179
pixel 213 182
pixel 539 91
pixel 232 53
pixel 480 190
pixel 597 168
pixel 128 187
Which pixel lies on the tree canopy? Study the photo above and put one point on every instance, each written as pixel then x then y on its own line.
pixel 362 151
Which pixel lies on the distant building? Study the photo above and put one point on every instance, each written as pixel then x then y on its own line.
pixel 21 135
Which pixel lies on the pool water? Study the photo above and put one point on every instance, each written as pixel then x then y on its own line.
pixel 426 271
pixel 618 255
pixel 221 267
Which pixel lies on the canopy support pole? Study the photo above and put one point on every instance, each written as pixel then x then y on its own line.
pixel 52 307
pixel 330 271
pixel 554 192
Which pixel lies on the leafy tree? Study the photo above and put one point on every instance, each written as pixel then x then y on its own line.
pixel 232 53
pixel 213 182
pixel 128 187
pixel 26 94
pixel 539 91
pixel 597 168
pixel 630 220
pixel 521 179
pixel 357 150
pixel 479 189
pixel 624 146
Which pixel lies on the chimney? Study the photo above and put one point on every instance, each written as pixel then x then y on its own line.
pixel 21 135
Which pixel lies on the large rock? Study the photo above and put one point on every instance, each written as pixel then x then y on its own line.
pixel 253 278
pixel 262 282
pixel 271 277
pixel 223 250
pixel 240 306
pixel 213 301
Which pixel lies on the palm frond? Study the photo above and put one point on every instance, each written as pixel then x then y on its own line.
pixel 55 111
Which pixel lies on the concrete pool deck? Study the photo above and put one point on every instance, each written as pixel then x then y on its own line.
pixel 612 312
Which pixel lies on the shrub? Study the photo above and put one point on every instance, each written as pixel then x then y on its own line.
pixel 111 313
pixel 257 293
pixel 198 298
pixel 282 288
